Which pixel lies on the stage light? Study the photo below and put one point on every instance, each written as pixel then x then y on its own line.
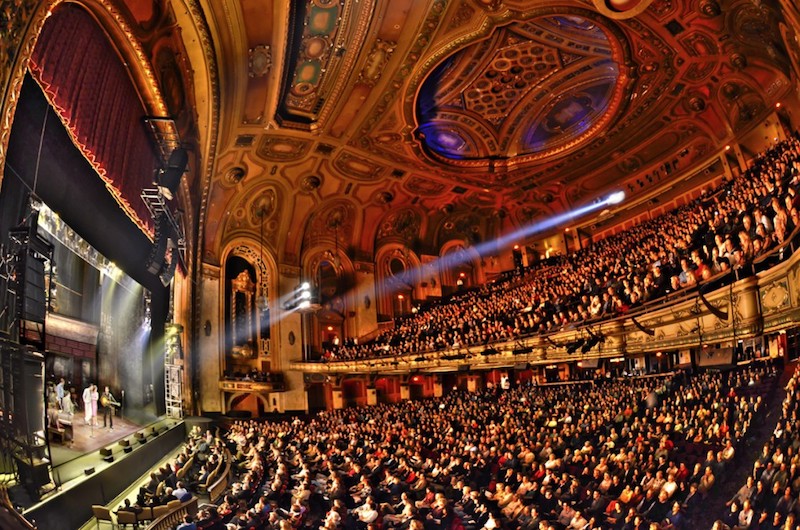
pixel 305 286
pixel 616 197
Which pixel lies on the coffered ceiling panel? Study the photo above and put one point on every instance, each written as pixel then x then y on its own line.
pixel 504 110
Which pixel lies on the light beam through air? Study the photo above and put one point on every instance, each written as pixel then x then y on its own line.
pixel 449 261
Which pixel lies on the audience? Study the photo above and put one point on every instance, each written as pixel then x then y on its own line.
pixel 722 232
pixel 768 499
pixel 609 454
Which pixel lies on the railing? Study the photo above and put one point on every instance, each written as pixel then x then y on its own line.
pixel 9 517
pixel 218 487
pixel 228 385
pixel 174 517
pixel 686 318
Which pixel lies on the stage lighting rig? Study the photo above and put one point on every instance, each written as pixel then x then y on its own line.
pixel 302 299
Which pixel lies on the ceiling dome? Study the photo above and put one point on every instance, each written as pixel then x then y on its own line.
pixel 530 89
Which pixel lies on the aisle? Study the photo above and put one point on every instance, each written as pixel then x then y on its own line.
pixel 746 454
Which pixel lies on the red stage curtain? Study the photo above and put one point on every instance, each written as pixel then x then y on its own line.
pixel 86 82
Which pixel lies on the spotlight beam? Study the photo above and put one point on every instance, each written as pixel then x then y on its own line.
pixel 450 261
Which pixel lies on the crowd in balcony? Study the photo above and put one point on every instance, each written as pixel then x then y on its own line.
pixel 615 454
pixel 721 232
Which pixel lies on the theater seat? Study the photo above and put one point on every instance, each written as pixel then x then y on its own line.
pixel 101 513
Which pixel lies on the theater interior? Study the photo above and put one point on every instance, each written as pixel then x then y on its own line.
pixel 400 264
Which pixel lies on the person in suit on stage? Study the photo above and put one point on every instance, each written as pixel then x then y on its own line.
pixel 108 402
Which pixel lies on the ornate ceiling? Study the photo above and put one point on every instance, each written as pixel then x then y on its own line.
pixel 470 117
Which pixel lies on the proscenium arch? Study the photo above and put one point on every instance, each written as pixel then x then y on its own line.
pixel 119 34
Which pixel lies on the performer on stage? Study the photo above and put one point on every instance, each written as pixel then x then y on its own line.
pixel 67 405
pixel 108 403
pixel 60 391
pixel 90 397
pixel 95 397
pixel 87 404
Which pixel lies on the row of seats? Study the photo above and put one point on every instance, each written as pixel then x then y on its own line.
pixel 594 455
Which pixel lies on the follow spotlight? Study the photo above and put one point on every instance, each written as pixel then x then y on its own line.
pixel 616 197
pixel 300 298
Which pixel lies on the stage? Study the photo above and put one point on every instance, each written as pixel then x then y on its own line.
pixel 86 438
pixel 112 462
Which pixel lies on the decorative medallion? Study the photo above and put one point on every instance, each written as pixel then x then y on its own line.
pixel 277 148
pixel 357 167
pixel 260 60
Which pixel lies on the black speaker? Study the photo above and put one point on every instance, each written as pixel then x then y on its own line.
pixel 105 451
pixel 127 449
pixel 88 471
pixel 29 401
pixel 33 474
pixel 108 459
pixel 170 176
pixel 124 442
pixel 155 261
pixel 34 308
pixel 170 262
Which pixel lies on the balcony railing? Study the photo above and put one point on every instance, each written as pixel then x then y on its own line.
pixel 742 303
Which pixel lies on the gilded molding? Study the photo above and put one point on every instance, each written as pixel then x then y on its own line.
pixel 206 44
pixel 18 43
pixel 775 296
pixel 32 15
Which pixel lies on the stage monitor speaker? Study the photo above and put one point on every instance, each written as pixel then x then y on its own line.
pixel 127 449
pixel 105 451
pixel 88 471
pixel 125 442
pixel 108 459
pixel 33 299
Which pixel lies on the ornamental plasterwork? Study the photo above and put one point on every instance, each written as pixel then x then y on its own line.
pixel 775 296
pixel 260 60
pixel 377 60
pixel 282 149
pixel 794 276
pixel 403 223
pixel 253 257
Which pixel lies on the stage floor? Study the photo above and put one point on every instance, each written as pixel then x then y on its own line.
pixel 87 439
